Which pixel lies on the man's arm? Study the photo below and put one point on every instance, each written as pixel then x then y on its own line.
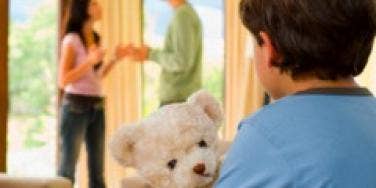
pixel 183 44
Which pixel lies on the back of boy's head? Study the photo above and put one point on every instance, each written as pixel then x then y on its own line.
pixel 325 39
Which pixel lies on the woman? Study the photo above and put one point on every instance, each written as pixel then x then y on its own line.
pixel 80 73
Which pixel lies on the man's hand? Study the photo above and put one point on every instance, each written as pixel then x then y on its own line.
pixel 123 51
pixel 140 54
pixel 134 53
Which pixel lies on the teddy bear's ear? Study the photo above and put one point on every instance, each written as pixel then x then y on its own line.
pixel 122 144
pixel 209 104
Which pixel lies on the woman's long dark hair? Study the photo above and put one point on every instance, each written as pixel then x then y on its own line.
pixel 76 19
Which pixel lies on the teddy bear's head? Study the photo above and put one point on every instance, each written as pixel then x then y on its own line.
pixel 177 146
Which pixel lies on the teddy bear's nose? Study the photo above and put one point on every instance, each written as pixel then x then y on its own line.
pixel 199 169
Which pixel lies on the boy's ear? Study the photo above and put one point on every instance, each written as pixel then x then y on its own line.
pixel 209 104
pixel 269 50
pixel 123 142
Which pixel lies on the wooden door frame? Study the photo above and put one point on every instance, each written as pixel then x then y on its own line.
pixel 4 22
pixel 4 6
pixel 62 18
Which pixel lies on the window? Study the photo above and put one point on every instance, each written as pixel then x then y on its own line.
pixel 157 15
pixel 32 88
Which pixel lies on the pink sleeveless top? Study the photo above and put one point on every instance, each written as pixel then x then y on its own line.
pixel 89 83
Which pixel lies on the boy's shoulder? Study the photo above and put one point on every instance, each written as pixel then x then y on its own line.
pixel 279 110
pixel 310 108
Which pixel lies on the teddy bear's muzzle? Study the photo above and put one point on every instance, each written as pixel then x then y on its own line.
pixel 199 169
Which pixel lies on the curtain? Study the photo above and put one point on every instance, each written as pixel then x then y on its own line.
pixel 243 94
pixel 368 77
pixel 121 23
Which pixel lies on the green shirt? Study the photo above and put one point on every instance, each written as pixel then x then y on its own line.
pixel 181 57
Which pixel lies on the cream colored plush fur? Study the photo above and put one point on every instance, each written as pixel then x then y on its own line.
pixel 168 147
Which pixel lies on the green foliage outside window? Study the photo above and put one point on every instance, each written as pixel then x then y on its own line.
pixel 32 72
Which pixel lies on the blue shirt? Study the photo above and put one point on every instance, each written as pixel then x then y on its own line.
pixel 308 140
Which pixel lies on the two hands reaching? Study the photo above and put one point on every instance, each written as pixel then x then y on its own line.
pixel 138 54
pixel 96 54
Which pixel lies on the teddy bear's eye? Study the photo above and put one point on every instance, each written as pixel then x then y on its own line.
pixel 171 164
pixel 202 144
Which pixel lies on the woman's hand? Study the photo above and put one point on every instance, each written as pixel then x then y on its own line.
pixel 134 53
pixel 95 55
pixel 123 51
pixel 68 72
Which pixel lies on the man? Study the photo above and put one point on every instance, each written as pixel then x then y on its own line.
pixel 181 57
pixel 321 130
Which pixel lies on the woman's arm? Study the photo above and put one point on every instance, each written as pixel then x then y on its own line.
pixel 105 69
pixel 120 53
pixel 68 73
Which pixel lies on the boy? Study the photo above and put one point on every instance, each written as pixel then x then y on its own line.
pixel 321 130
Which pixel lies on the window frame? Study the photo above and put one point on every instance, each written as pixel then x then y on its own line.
pixel 4 9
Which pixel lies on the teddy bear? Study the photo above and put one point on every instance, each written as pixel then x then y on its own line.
pixel 177 146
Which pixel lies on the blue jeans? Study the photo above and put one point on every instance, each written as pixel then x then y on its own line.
pixel 78 123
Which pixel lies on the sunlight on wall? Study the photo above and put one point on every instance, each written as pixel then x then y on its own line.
pixel 368 77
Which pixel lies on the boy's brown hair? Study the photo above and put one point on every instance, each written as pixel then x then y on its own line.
pixel 327 39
